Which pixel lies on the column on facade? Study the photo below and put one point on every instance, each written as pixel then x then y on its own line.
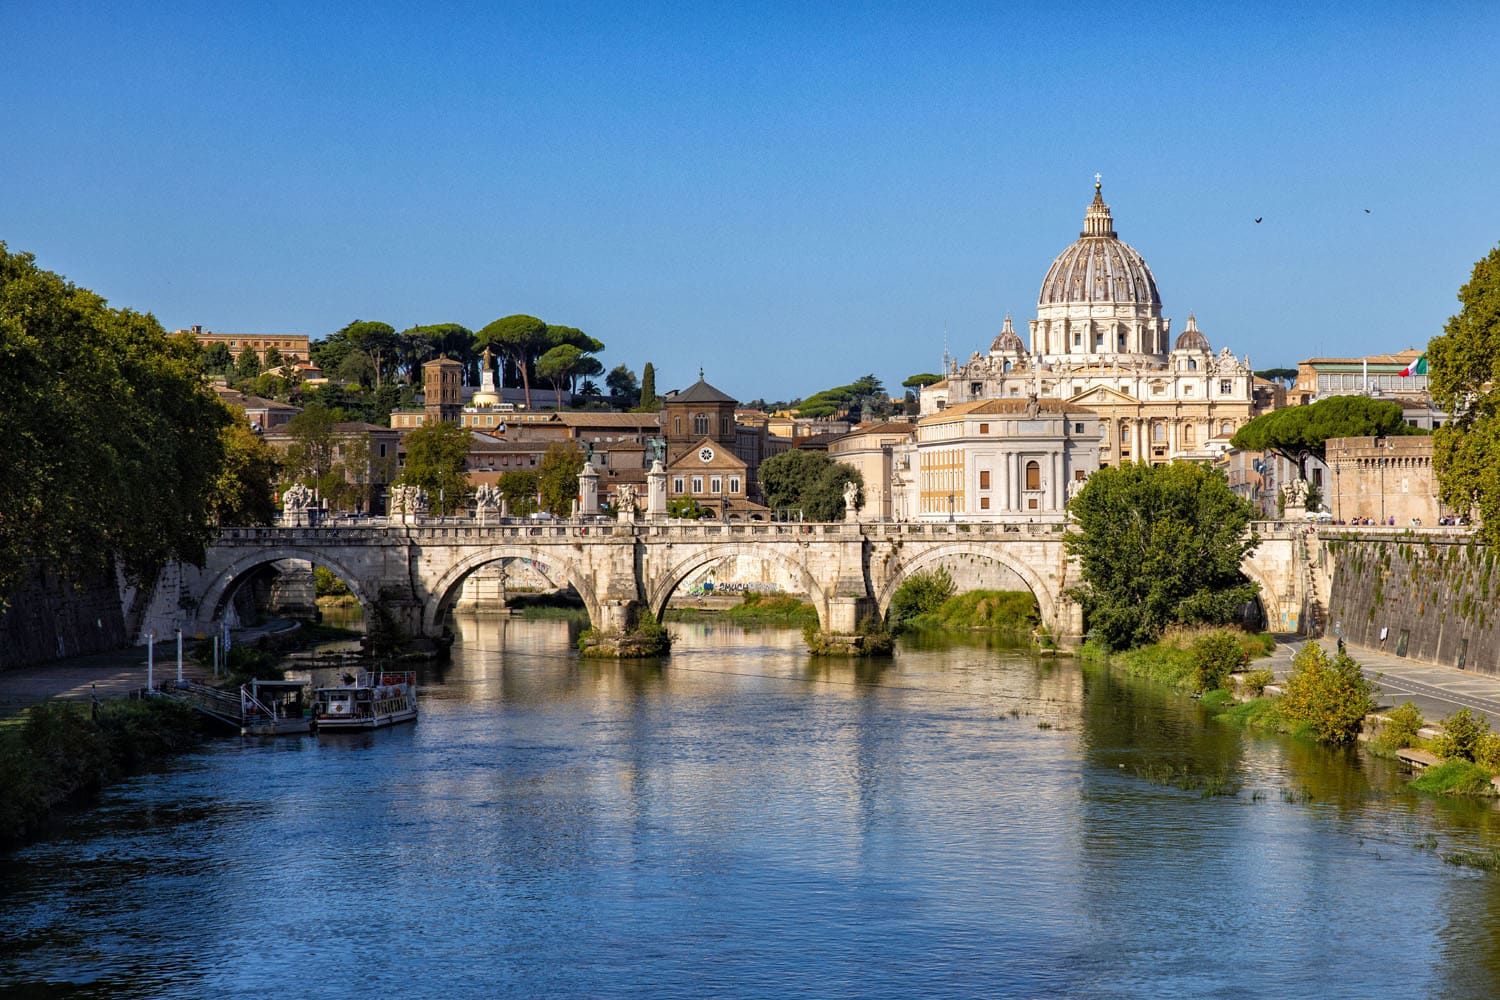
pixel 1002 488
pixel 1013 495
pixel 1136 439
pixel 1059 493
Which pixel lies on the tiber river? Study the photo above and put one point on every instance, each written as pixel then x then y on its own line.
pixel 744 821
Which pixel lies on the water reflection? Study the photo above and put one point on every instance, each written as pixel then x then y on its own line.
pixel 744 819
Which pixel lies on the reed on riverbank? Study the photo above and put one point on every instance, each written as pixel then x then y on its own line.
pixel 780 610
pixel 64 753
pixel 1186 659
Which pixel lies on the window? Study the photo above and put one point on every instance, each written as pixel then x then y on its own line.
pixel 1226 428
pixel 1158 433
pixel 677 426
pixel 724 427
pixel 984 503
pixel 1079 475
pixel 1225 386
pixel 1158 389
pixel 1077 428
pixel 975 388
pixel 700 423
pixel 1033 476
pixel 1192 364
pixel 382 451
pixel 1031 503
pixel 1077 340
pixel 676 484
pixel 697 484
pixel 984 428
pixel 1122 342
pixel 1187 390
pixel 1188 436
pixel 715 485
pixel 734 484
pixel 984 479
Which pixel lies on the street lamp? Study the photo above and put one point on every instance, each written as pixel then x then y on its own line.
pixel 950 508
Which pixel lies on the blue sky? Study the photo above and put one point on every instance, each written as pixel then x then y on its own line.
pixel 788 195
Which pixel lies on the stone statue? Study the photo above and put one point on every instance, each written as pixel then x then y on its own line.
pixel 408 501
pixel 1033 405
pixel 625 498
pixel 656 449
pixel 487 500
pixel 851 498
pixel 296 499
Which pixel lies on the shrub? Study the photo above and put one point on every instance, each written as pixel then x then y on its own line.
pixel 1331 697
pixel 1400 728
pixel 1256 681
pixel 326 584
pixel 1487 751
pixel 1216 655
pixel 1461 735
pixel 920 594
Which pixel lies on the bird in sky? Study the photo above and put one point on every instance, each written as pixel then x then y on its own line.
pixel 1258 218
pixel 1367 211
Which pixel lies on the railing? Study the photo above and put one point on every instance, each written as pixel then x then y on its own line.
pixel 222 705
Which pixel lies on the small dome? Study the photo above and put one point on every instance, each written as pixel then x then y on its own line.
pixel 1099 267
pixel 484 398
pixel 1191 338
pixel 1008 341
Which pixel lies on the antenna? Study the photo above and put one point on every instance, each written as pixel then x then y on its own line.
pixel 946 358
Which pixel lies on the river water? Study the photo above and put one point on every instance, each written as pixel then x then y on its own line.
pixel 742 820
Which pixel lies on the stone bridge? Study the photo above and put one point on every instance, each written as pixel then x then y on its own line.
pixel 846 570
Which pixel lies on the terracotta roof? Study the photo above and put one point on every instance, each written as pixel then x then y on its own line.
pixel 601 419
pixel 886 427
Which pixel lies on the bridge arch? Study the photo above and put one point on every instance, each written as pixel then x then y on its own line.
pixel 660 590
pixel 226 581
pixel 1270 599
pixel 560 573
pixel 1047 602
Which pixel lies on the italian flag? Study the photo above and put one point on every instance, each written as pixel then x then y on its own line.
pixel 1417 367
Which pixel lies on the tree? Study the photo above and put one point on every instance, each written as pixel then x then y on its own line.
pixel 448 340
pixel 1298 433
pixel 1284 375
pixel 809 481
pixel 376 341
pixel 649 402
pixel 247 365
pixel 356 369
pixel 436 455
pixel 310 457
pixel 557 477
pixel 273 359
pixel 112 445
pixel 624 391
pixel 519 339
pixel 851 399
pixel 243 491
pixel 1158 545
pixel 687 508
pixel 218 359
pixel 520 490
pixel 1330 696
pixel 557 366
pixel 1465 381
pixel 921 380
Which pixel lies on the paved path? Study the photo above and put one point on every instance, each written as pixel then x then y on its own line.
pixel 1437 690
pixel 113 674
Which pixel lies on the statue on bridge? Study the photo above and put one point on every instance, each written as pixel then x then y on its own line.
pixel 408 502
pixel 295 502
pixel 487 501
pixel 627 503
pixel 851 501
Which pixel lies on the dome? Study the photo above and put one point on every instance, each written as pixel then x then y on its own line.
pixel 1099 268
pixel 1191 338
pixel 1008 341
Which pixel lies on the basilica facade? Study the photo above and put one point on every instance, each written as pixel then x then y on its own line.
pixel 1100 342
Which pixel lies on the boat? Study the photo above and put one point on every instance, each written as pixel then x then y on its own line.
pixel 370 700
pixel 273 708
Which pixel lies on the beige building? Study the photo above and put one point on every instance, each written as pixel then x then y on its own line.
pixel 872 449
pixel 1381 479
pixel 292 346
pixel 1100 341
pixel 995 460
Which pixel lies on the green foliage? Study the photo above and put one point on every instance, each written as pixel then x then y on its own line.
pixel 520 339
pixel 624 390
pixel 1284 375
pixel 1399 729
pixel 921 380
pixel 327 584
pixel 557 477
pixel 777 609
pixel 1332 697
pixel 247 366
pixel 109 433
pixel 1456 777
pixel 1216 655
pixel 435 458
pixel 863 393
pixel 1298 433
pixel 919 595
pixel 244 491
pixel 1159 545
pixel 520 490
pixel 61 753
pixel 1465 381
pixel 558 366
pixel 218 359
pixel 810 481
pixel 684 507
pixel 1256 680
pixel 1461 735
pixel 650 402
pixel 1013 612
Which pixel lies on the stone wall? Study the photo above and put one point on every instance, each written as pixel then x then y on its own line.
pixel 50 618
pixel 1432 597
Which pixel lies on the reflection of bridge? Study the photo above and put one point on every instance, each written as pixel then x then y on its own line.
pixel 847 571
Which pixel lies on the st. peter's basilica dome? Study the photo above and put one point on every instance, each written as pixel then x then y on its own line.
pixel 1099 267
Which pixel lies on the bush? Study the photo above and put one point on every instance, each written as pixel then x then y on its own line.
pixel 1331 697
pixel 1487 751
pixel 920 594
pixel 1216 655
pixel 1461 735
pixel 1399 729
pixel 1256 681
pixel 326 584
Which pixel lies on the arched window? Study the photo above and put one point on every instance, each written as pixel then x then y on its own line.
pixel 1033 476
pixel 1226 428
pixel 1192 364
pixel 725 428
pixel 1187 435
pixel 700 423
pixel 677 426
pixel 1158 433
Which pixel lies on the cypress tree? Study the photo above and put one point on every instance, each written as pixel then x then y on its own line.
pixel 649 402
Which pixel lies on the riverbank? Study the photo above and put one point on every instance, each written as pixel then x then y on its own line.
pixel 779 610
pixel 60 755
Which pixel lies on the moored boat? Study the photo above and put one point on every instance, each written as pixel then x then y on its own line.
pixel 375 698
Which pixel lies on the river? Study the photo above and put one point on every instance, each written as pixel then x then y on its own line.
pixel 742 820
